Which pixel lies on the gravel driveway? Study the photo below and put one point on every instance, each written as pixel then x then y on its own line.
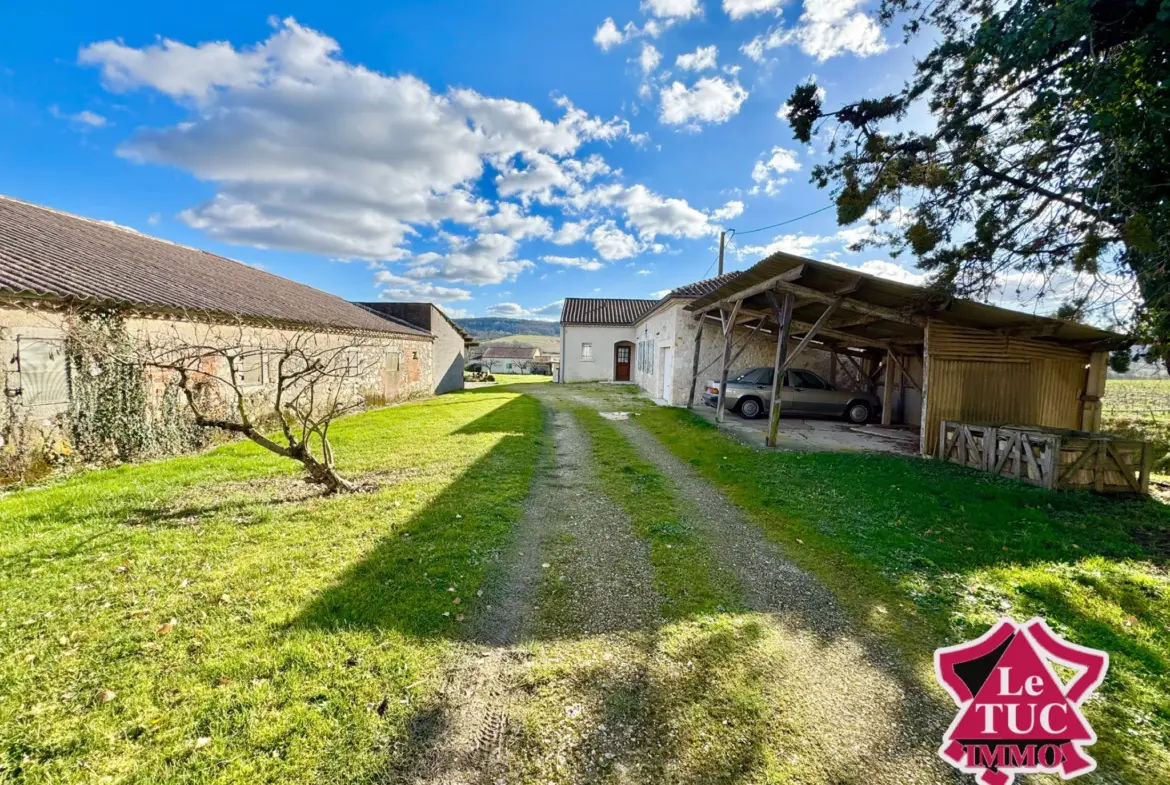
pixel 569 673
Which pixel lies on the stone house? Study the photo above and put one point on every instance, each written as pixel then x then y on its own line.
pixel 55 266
pixel 651 343
pixel 510 359
pixel 452 344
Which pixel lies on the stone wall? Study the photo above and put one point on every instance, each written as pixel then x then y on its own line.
pixel 37 381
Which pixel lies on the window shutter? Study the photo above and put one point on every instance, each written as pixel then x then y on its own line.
pixel 44 376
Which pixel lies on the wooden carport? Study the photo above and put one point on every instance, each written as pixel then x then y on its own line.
pixel 988 362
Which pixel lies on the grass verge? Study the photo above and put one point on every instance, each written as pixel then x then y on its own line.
pixel 930 553
pixel 213 619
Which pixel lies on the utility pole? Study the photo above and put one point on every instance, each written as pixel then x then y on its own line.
pixel 722 240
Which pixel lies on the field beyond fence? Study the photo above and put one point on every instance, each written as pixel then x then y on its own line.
pixel 1140 409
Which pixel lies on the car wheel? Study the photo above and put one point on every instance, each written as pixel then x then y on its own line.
pixel 858 412
pixel 750 408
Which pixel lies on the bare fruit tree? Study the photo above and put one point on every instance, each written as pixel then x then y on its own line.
pixel 281 388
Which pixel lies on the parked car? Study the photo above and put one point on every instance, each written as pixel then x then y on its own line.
pixel 803 393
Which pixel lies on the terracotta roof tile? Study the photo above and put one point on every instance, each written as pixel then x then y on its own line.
pixel 604 310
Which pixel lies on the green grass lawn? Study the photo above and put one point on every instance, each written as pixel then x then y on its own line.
pixel 521 378
pixel 930 553
pixel 214 619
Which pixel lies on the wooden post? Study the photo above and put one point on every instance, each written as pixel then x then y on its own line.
pixel 783 313
pixel 695 364
pixel 722 241
pixel 924 421
pixel 888 390
pixel 1094 390
pixel 1146 465
pixel 728 331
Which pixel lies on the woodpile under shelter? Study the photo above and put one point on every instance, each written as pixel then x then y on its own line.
pixel 929 357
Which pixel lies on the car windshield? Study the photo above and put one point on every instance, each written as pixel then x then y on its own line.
pixel 754 376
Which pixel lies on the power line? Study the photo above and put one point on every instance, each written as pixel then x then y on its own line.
pixel 782 223
pixel 731 233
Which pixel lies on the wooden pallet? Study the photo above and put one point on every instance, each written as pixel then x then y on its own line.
pixel 1054 458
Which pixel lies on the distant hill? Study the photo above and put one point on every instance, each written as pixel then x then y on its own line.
pixel 489 327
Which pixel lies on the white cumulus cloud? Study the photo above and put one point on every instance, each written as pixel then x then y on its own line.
pixel 580 263
pixel 649 59
pixel 768 174
pixel 672 9
pixel 710 100
pixel 826 28
pixel 738 9
pixel 608 35
pixel 612 243
pixel 701 59
pixel 732 209
pixel 394 287
pixel 517 311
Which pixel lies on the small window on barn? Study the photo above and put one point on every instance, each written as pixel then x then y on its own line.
pixel 414 355
pixel 42 371
pixel 392 361
pixel 250 368
pixel 586 351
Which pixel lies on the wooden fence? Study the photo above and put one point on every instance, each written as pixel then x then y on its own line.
pixel 1054 458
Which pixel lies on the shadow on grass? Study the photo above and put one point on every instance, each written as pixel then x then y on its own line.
pixel 931 553
pixel 411 580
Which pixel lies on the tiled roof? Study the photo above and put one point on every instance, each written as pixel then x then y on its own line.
pixel 604 310
pixel 49 254
pixel 700 288
pixel 509 352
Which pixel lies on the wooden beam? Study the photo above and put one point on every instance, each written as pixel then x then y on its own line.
pixel 850 304
pixel 848 339
pixel 783 313
pixel 888 391
pixel 902 368
pixel 728 332
pixel 729 324
pixel 860 321
pixel 792 275
pixel 850 287
pixel 695 362
pixel 808 336
pixel 862 376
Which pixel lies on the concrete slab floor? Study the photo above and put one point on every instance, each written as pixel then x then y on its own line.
pixel 800 433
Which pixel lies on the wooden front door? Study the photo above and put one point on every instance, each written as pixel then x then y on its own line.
pixel 621 363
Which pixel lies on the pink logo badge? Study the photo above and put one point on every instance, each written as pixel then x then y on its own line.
pixel 1015 715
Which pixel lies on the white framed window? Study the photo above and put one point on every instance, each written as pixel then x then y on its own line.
pixel 586 351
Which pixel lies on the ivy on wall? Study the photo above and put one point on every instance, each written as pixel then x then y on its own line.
pixel 113 414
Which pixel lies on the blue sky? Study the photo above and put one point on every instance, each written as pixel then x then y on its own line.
pixel 492 157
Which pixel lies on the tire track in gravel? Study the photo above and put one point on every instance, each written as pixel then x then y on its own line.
pixel 468 734
pixel 867 711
